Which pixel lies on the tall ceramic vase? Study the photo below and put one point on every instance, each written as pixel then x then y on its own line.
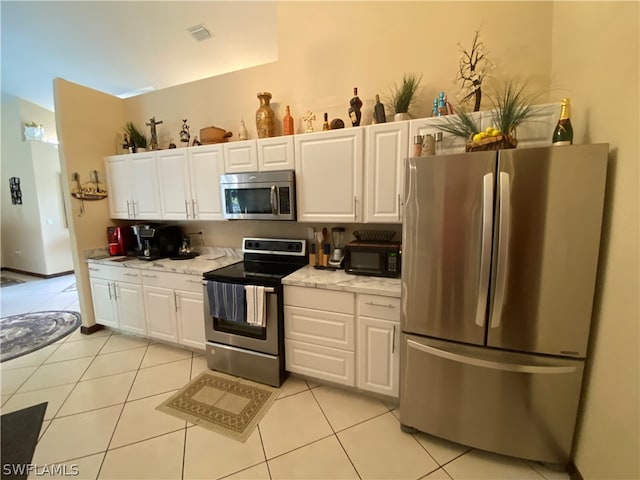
pixel 265 121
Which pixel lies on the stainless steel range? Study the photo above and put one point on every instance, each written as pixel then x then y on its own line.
pixel 244 315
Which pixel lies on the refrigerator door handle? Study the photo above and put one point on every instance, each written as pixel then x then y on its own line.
pixel 485 259
pixel 503 249
pixel 479 362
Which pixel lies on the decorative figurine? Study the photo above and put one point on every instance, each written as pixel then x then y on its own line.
pixel 336 123
pixel 195 142
pixel 308 119
pixel 184 133
pixel 171 144
pixel 154 136
pixel 242 133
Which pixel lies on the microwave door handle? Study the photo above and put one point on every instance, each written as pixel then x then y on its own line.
pixel 274 199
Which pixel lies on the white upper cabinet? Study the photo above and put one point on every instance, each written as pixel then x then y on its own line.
pixel 240 157
pixel 275 153
pixel 329 173
pixel 190 182
pixel 387 145
pixel 132 183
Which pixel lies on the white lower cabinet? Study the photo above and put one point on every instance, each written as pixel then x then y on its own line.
pixel 378 344
pixel 342 337
pixel 174 307
pixel 117 298
pixel 319 334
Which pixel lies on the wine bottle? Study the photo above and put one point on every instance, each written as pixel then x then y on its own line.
pixel 354 110
pixel 378 111
pixel 563 134
pixel 325 125
pixel 287 122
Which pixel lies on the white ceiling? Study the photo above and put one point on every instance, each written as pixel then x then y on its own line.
pixel 119 47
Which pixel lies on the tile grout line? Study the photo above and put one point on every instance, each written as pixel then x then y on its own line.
pixel 184 442
pixel 264 452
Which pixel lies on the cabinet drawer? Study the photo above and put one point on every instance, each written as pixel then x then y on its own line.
pixel 118 274
pixel 318 299
pixel 320 362
pixel 376 306
pixel 320 327
pixel 175 281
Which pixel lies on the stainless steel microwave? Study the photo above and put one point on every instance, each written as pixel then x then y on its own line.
pixel 374 258
pixel 259 195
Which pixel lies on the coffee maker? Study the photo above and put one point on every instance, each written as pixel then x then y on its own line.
pixel 157 241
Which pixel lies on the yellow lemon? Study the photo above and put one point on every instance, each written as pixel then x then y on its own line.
pixel 495 132
pixel 488 130
pixel 477 137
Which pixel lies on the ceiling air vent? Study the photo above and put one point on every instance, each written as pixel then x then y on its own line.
pixel 199 32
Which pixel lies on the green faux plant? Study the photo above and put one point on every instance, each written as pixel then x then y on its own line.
pixel 403 96
pixel 138 138
pixel 512 106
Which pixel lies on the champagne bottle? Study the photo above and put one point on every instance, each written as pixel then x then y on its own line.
pixel 287 122
pixel 325 125
pixel 378 111
pixel 354 110
pixel 563 134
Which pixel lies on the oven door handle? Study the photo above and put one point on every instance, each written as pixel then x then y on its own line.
pixel 274 199
pixel 266 289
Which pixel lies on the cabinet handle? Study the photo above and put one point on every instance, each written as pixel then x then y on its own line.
pixel 149 276
pixel 175 300
pixel 193 208
pixel 130 274
pixel 91 269
pixel 355 207
pixel 109 287
pixel 186 207
pixel 393 340
pixel 128 209
pixel 115 291
pixel 399 208
pixel 388 305
pixel 194 281
pixel 133 204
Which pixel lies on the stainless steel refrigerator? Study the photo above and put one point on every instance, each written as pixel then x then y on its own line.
pixel 500 252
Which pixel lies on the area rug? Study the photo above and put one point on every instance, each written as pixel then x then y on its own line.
pixel 227 405
pixel 20 432
pixel 27 332
pixel 9 281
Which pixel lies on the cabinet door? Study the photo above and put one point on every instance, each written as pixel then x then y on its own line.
pixel 104 305
pixel 378 356
pixel 275 154
pixel 329 175
pixel 146 194
pixel 118 180
pixel 130 307
pixel 173 180
pixel 190 319
pixel 160 310
pixel 206 164
pixel 386 148
pixel 240 157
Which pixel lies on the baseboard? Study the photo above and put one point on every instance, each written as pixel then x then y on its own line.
pixel 39 275
pixel 574 473
pixel 92 329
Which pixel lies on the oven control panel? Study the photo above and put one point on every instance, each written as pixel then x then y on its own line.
pixel 277 246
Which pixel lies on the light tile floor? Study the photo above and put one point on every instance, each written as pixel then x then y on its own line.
pixel 102 391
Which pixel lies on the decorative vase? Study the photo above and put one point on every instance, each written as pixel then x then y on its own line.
pixel 265 121
pixel 398 117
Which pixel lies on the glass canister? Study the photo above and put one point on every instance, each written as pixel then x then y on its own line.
pixel 265 120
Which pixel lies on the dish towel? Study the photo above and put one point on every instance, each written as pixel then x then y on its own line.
pixel 256 305
pixel 227 301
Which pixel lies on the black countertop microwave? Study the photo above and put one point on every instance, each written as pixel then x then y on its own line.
pixel 259 195
pixel 374 258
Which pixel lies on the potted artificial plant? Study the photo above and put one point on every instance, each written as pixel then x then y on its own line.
pixel 403 96
pixel 136 137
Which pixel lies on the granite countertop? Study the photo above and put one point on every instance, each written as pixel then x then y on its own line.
pixel 339 280
pixel 210 258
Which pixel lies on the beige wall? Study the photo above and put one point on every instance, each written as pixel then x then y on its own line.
pixel 87 122
pixel 35 237
pixel 601 71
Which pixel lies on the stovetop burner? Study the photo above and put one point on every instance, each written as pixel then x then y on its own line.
pixel 266 262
